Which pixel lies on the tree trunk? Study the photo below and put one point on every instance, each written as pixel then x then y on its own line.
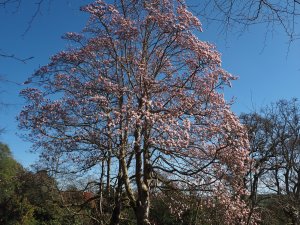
pixel 143 200
pixel 115 217
pixel 142 214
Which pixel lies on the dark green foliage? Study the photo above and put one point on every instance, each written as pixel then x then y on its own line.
pixel 196 211
pixel 28 198
pixel 13 208
pixel 275 209
pixel 160 213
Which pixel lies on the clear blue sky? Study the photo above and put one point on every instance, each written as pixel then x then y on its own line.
pixel 267 70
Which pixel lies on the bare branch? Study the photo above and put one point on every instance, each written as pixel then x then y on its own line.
pixel 13 56
pixel 34 16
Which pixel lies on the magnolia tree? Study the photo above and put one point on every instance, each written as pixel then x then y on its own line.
pixel 139 95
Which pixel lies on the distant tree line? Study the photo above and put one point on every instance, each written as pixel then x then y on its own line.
pixel 30 198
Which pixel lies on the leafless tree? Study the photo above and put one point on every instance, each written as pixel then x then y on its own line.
pixel 275 148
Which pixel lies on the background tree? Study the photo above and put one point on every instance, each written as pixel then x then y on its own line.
pixel 30 197
pixel 141 91
pixel 262 149
pixel 13 210
pixel 274 140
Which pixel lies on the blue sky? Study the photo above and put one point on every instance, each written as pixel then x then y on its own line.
pixel 267 70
